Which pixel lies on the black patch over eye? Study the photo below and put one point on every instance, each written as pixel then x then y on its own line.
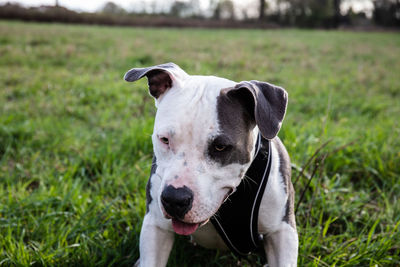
pixel 219 149
pixel 221 144
pixel 223 150
pixel 236 123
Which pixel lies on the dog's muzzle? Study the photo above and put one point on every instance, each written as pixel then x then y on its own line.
pixel 177 201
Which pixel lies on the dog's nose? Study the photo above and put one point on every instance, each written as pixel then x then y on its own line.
pixel 177 201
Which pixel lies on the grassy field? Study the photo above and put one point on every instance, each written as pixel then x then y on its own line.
pixel 75 147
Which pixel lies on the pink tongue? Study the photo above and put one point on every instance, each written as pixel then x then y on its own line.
pixel 182 228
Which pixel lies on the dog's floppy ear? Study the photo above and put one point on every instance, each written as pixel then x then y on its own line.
pixel 265 102
pixel 160 78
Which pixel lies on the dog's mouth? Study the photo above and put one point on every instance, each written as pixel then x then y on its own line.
pixel 183 228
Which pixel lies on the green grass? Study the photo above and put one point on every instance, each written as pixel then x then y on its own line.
pixel 75 147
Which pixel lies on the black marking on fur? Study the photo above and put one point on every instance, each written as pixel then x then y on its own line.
pixel 148 185
pixel 236 125
pixel 289 213
pixel 285 171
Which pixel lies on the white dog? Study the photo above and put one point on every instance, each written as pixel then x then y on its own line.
pixel 215 140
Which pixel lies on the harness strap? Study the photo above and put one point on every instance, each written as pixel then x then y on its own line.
pixel 236 221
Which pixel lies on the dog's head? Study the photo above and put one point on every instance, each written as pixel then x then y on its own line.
pixel 204 137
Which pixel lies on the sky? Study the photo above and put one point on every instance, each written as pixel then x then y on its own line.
pixel 95 5
pixel 79 5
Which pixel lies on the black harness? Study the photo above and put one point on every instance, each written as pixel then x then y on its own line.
pixel 237 219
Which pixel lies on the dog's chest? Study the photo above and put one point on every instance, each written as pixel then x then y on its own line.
pixel 208 237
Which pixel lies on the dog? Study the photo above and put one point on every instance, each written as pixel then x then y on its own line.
pixel 208 133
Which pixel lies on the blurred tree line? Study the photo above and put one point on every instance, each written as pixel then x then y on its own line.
pixel 223 13
pixel 328 13
pixel 300 13
pixel 387 12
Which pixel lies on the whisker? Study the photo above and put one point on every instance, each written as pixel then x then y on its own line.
pixel 247 178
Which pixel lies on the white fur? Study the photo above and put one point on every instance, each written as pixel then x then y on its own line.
pixel 187 116
pixel 281 246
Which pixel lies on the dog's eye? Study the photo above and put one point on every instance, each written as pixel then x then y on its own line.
pixel 164 140
pixel 220 144
pixel 222 148
pixel 219 148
